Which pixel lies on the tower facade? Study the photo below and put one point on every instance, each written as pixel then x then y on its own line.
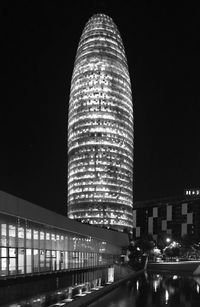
pixel 100 129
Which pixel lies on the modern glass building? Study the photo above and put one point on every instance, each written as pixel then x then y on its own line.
pixel 34 240
pixel 100 129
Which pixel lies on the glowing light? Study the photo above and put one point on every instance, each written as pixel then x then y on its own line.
pixel 100 129
pixel 156 284
pixel 166 296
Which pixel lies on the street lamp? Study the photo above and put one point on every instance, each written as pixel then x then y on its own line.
pixel 168 240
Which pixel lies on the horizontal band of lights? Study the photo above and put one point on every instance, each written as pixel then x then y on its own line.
pixel 100 129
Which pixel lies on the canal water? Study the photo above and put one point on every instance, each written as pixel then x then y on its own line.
pixel 147 290
pixel 154 290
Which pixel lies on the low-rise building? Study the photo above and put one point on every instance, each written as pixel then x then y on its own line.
pixel 35 240
pixel 174 217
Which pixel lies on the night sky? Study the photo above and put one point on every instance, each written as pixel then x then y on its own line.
pixel 40 39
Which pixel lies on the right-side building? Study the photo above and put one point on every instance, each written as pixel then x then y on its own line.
pixel 174 217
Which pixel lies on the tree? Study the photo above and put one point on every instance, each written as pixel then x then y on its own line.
pixel 172 250
pixel 146 244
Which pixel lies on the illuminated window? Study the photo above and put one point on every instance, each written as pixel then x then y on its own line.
pixel 12 235
pixel 3 234
pixel 28 237
pixel 100 127
pixel 20 237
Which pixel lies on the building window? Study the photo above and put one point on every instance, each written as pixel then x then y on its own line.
pixel 3 261
pixel 21 263
pixel 12 235
pixel 28 237
pixel 42 241
pixel 4 234
pixel 12 261
pixel 36 260
pixel 35 238
pixel 20 237
pixel 42 260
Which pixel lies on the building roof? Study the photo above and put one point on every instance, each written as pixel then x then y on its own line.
pixel 164 201
pixel 15 206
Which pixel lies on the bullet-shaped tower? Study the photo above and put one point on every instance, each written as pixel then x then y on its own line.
pixel 100 129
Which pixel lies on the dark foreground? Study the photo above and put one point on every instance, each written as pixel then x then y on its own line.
pixel 157 290
pixel 141 289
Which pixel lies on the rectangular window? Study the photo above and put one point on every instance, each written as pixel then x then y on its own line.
pixel 3 261
pixel 66 243
pixel 61 260
pixel 70 259
pixel 42 260
pixel 12 235
pixel 57 241
pixel 36 260
pixel 61 242
pixel 66 265
pixel 47 236
pixel 12 261
pixel 80 260
pixel 28 260
pixel 42 242
pixel 35 238
pixel 53 239
pixel 21 257
pixel 48 260
pixel 48 241
pixel 53 265
pixel 85 260
pixel 28 237
pixel 4 234
pixel 20 237
pixel 57 260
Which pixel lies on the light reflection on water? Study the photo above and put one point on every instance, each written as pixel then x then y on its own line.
pixel 147 290
pixel 155 290
pixel 80 284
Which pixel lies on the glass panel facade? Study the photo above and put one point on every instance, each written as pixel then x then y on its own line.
pixel 100 129
pixel 28 260
pixel 20 236
pixel 36 260
pixel 28 237
pixel 42 260
pixel 21 263
pixel 42 241
pixel 12 235
pixel 12 261
pixel 3 261
pixel 36 238
pixel 48 260
pixel 27 247
pixel 53 260
pixel 3 234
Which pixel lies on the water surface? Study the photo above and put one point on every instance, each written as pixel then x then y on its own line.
pixel 158 290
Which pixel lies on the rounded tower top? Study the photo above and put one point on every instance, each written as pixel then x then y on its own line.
pixel 101 39
pixel 101 16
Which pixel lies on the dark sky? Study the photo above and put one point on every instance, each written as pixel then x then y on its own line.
pixel 39 43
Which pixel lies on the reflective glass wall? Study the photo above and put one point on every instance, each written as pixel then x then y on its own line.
pixel 100 129
pixel 27 247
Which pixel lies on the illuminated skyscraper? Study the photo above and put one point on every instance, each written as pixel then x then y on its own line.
pixel 100 129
